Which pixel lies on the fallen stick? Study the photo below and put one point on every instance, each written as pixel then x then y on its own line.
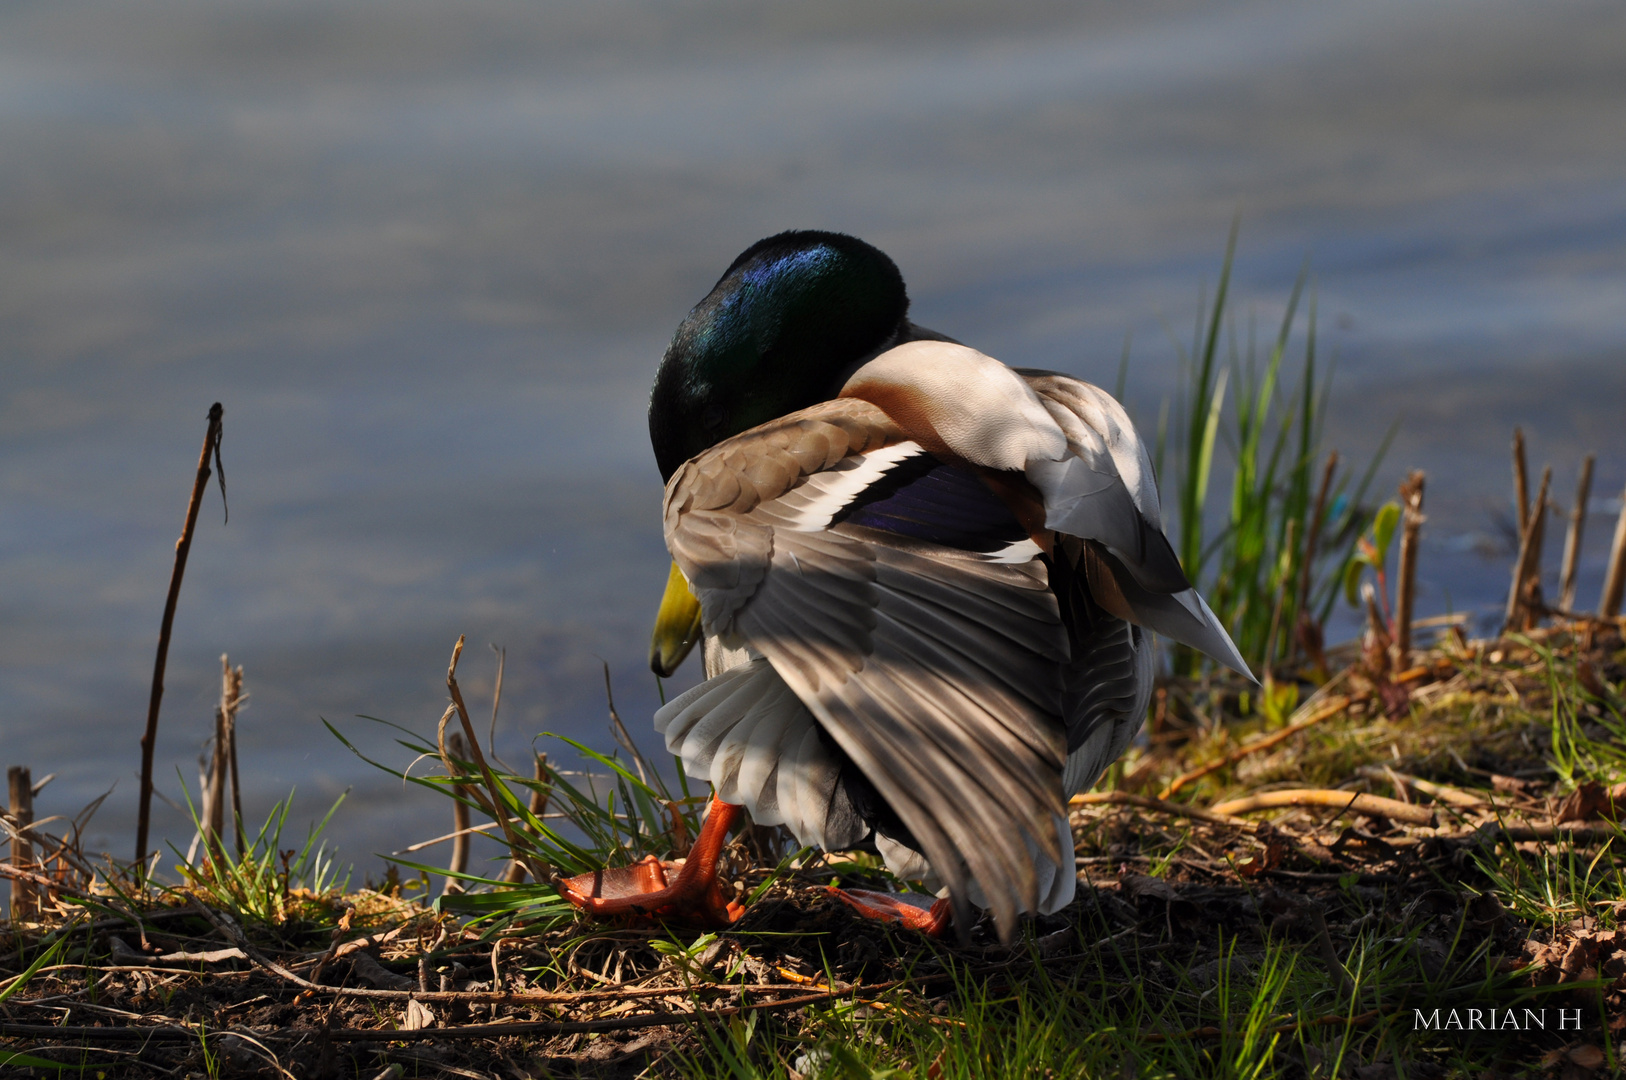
pixel 183 546
pixel 1359 802
pixel 1124 798
pixel 1436 791
pixel 1332 706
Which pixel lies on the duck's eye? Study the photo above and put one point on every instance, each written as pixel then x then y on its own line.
pixel 711 416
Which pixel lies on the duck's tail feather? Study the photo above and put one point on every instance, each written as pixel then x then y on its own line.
pixel 749 735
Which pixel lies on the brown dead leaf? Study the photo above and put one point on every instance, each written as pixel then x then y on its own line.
pixel 417 1016
pixel 1139 885
pixel 1591 801
pixel 1586 1055
pixel 370 970
pixel 1512 784
pixel 1268 859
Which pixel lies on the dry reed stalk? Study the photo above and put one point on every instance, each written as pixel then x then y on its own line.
pixel 231 695
pixel 214 800
pixel 493 803
pixel 460 820
pixel 1521 485
pixel 19 780
pixel 538 806
pixel 1411 502
pixel 1572 540
pixel 1357 802
pixel 496 697
pixel 211 447
pixel 1614 582
pixel 1524 597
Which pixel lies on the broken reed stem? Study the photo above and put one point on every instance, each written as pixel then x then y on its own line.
pixel 1614 582
pixel 460 821
pixel 1523 599
pixel 19 781
pixel 214 820
pixel 1521 485
pixel 538 806
pixel 1411 502
pixel 1572 540
pixel 498 812
pixel 232 695
pixel 496 697
pixel 183 546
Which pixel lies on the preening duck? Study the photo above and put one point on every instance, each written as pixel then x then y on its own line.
pixel 925 582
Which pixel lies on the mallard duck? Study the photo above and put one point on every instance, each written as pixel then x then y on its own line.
pixel 924 581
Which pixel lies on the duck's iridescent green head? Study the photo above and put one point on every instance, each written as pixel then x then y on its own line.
pixel 781 330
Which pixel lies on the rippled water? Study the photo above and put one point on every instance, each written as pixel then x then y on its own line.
pixel 427 254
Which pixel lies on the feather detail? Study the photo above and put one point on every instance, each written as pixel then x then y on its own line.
pixel 1102 490
pixel 753 739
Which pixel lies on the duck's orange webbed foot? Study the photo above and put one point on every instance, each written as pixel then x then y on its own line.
pixel 910 909
pixel 650 889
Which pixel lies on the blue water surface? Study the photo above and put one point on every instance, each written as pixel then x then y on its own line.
pixel 427 254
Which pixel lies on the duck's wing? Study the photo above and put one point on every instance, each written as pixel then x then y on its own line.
pixel 1103 492
pixel 901 602
pixel 1071 450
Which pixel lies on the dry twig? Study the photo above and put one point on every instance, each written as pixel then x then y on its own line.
pixel 1358 802
pixel 1124 798
pixel 183 546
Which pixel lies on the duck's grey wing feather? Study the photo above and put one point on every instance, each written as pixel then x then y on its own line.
pixel 1103 490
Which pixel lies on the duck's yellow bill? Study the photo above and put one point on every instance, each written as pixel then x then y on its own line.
pixel 677 625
